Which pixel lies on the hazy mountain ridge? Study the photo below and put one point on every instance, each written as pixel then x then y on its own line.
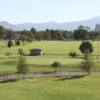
pixel 52 25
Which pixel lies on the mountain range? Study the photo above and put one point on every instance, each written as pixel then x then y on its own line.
pixel 52 25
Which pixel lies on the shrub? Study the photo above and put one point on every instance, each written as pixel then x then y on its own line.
pixel 72 54
pixel 17 42
pixel 8 54
pixel 55 65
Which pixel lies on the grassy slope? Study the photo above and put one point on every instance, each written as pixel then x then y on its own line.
pixel 54 50
pixel 87 88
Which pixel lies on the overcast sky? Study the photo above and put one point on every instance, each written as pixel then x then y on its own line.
pixel 34 11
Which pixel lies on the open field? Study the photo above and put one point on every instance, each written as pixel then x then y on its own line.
pixel 54 51
pixel 86 88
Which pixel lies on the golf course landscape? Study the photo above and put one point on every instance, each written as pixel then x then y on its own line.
pixel 49 49
pixel 49 88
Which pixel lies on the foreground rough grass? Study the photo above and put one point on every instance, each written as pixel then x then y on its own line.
pixel 86 88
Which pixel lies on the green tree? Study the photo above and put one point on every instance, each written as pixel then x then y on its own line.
pixel 39 36
pixel 26 36
pixel 21 52
pixel 10 35
pixel 34 33
pixel 88 63
pixel 33 30
pixel 81 33
pixel 47 35
pixel 3 32
pixel 86 46
pixel 10 44
pixel 22 66
pixel 23 38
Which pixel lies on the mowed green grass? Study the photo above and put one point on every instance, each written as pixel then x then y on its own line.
pixel 54 51
pixel 50 88
pixel 86 88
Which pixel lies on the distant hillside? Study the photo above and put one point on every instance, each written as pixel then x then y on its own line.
pixel 53 25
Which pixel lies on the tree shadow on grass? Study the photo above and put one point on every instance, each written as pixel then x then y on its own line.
pixel 77 57
pixel 54 54
pixel 38 65
pixel 8 63
pixel 8 57
pixel 70 78
pixel 9 81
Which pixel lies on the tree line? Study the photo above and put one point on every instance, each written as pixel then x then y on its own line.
pixel 81 33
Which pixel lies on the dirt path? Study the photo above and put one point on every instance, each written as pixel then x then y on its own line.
pixel 14 76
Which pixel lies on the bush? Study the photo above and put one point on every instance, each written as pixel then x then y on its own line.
pixel 8 54
pixel 55 65
pixel 17 42
pixel 72 54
